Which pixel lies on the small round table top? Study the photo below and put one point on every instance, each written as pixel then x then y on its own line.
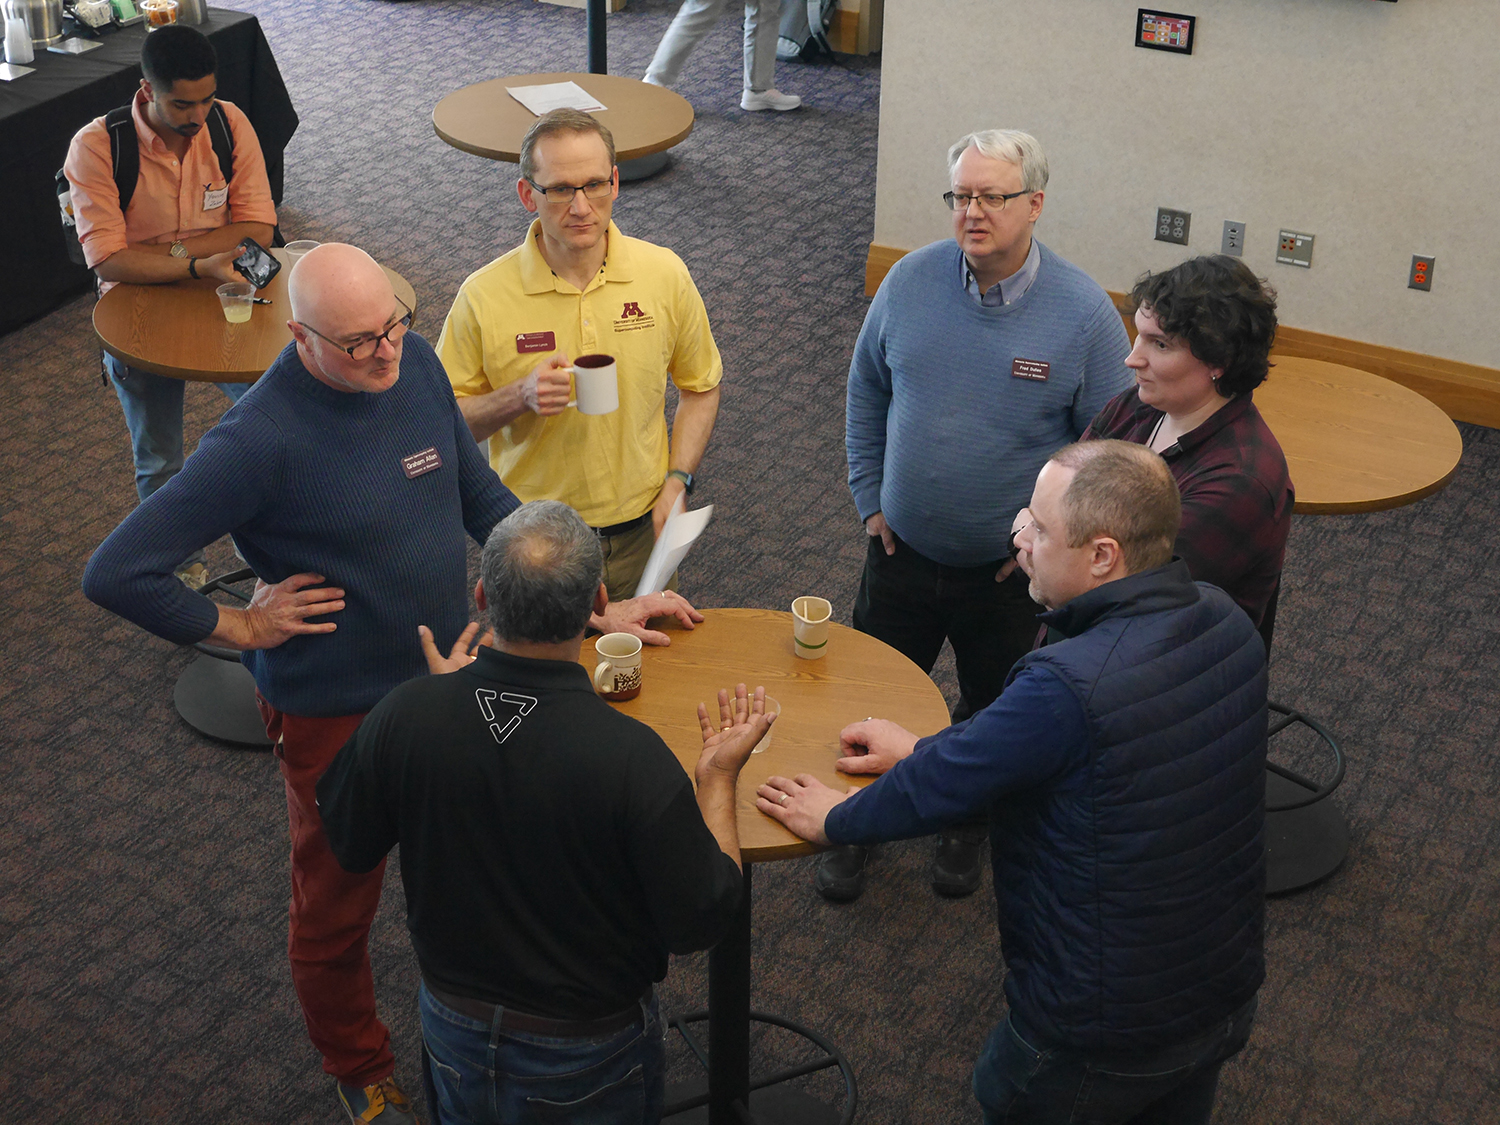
pixel 179 330
pixel 1355 442
pixel 859 676
pixel 484 119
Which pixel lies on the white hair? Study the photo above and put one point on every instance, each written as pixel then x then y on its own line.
pixel 1010 145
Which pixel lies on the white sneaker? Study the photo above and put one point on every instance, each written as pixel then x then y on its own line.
pixel 655 82
pixel 769 99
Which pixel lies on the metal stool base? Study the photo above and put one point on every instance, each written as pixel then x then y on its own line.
pixel 1307 836
pixel 771 1102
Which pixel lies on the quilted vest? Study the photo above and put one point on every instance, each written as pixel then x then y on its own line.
pixel 1131 893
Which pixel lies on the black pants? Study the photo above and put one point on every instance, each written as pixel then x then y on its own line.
pixel 912 604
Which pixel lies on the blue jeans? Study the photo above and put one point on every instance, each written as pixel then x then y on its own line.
pixel 153 414
pixel 1017 1083
pixel 478 1073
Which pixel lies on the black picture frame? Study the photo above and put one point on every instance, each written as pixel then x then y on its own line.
pixel 1144 14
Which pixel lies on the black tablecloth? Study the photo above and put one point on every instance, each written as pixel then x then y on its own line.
pixel 40 112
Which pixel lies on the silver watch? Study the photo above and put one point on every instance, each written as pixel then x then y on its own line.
pixel 178 250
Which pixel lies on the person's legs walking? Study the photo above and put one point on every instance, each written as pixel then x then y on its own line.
pixel 762 26
pixel 688 27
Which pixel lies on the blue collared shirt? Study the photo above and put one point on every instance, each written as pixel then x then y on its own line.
pixel 1007 289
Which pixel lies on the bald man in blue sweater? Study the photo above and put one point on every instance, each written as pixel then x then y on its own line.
pixel 979 358
pixel 348 478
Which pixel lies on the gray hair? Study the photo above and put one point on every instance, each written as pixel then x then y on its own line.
pixel 555 123
pixel 1011 146
pixel 541 567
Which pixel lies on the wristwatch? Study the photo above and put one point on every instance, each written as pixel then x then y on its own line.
pixel 685 478
pixel 178 250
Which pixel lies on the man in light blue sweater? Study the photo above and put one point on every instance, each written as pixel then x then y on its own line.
pixel 979 358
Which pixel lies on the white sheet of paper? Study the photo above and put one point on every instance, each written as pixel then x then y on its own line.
pixel 555 95
pixel 676 539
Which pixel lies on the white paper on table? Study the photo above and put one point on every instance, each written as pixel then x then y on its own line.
pixel 555 95
pixel 672 545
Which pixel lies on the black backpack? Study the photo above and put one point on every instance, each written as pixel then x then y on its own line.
pixel 804 30
pixel 125 153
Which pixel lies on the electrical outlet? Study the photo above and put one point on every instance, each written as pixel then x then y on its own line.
pixel 1294 249
pixel 1172 226
pixel 1234 239
pixel 1421 272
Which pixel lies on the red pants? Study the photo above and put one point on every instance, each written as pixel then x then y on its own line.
pixel 331 912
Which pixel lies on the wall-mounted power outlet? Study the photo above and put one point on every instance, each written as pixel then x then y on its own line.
pixel 1421 272
pixel 1172 226
pixel 1294 249
pixel 1234 239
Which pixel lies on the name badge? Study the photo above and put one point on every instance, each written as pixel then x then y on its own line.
pixel 1036 370
pixel 535 342
pixel 213 199
pixel 419 463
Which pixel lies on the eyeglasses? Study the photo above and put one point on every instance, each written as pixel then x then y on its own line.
pixel 561 195
pixel 992 203
pixel 371 344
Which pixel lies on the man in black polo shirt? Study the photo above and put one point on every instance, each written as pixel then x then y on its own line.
pixel 553 851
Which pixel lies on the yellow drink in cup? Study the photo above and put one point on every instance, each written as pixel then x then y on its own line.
pixel 235 298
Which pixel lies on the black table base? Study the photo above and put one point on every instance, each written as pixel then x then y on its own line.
pixel 215 695
pixel 1307 836
pixel 731 1096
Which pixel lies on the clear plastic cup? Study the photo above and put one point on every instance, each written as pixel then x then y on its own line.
pixel 159 13
pixel 295 250
pixel 237 299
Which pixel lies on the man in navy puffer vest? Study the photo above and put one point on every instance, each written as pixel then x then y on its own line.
pixel 1122 769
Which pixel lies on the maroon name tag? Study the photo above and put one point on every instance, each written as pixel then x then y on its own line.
pixel 419 463
pixel 1035 369
pixel 535 342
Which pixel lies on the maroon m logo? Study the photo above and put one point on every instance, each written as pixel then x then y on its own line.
pixel 632 308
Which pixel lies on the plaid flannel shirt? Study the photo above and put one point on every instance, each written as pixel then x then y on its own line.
pixel 1236 494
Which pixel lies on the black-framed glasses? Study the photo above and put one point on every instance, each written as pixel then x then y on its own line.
pixel 958 201
pixel 561 195
pixel 369 346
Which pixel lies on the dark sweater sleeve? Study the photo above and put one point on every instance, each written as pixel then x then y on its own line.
pixel 1104 372
pixel 1032 733
pixel 692 888
pixel 867 405
pixel 221 486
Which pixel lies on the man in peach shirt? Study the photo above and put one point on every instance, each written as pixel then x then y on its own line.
pixel 183 221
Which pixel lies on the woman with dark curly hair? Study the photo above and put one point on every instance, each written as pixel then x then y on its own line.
pixel 1204 331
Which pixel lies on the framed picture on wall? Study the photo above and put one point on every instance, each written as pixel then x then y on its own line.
pixel 1164 31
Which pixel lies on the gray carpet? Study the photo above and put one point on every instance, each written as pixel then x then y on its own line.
pixel 143 888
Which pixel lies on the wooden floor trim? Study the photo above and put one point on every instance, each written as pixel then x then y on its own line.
pixel 1467 392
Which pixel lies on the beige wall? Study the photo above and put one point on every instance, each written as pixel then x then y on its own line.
pixel 1374 126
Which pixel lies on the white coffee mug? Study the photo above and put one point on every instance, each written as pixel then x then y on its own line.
pixel 617 676
pixel 595 384
pixel 810 620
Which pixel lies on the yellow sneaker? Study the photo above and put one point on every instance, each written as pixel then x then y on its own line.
pixel 382 1103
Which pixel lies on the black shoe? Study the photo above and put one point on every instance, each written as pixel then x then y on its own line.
pixel 841 873
pixel 955 867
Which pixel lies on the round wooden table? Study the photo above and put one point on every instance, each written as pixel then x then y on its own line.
pixel 859 676
pixel 485 120
pixel 1355 442
pixel 179 330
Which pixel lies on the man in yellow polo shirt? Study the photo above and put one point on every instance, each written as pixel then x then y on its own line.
pixel 577 286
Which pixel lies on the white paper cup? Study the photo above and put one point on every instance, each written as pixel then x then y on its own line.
pixel 617 676
pixel 595 384
pixel 773 707
pixel 236 298
pixel 810 620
